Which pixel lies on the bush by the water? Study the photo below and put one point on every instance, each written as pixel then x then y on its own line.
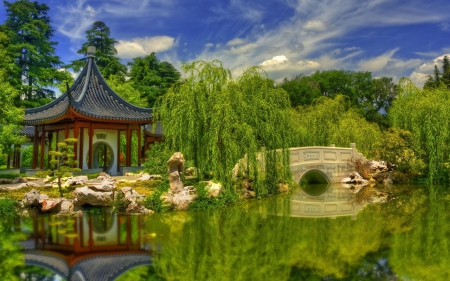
pixel 7 208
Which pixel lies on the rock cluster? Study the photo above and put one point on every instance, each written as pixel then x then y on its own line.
pixel 176 167
pixel 34 199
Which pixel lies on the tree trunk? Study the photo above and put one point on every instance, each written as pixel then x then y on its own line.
pixel 59 187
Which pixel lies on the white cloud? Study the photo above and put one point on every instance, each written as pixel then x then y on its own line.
pixel 143 46
pixel 308 64
pixel 236 41
pixel 209 45
pixel 418 78
pixel 315 25
pixel 244 49
pixel 277 60
pixel 376 63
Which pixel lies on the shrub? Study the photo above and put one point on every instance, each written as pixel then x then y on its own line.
pixel 154 201
pixel 43 174
pixel 7 208
pixel 9 176
pixel 157 157
pixel 203 202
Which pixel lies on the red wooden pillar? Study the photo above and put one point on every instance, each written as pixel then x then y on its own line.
pixel 128 140
pixel 41 166
pixel 76 240
pixel 76 131
pixel 91 138
pixel 139 145
pixel 118 151
pixel 91 236
pixel 80 155
pixel 35 148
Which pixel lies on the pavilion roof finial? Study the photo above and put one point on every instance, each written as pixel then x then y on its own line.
pixel 91 51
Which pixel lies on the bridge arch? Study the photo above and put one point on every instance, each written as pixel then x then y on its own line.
pixel 314 176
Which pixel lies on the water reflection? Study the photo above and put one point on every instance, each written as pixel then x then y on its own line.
pixel 270 239
pixel 325 200
pixel 89 247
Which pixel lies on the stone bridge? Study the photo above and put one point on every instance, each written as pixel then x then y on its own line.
pixel 322 164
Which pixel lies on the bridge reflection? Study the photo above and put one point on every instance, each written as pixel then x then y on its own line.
pixel 97 247
pixel 325 200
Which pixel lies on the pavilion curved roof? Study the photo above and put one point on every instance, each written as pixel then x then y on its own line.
pixel 89 97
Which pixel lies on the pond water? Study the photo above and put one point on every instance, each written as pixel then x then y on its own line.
pixel 319 233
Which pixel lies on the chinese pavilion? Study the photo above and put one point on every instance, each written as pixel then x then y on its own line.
pixel 93 113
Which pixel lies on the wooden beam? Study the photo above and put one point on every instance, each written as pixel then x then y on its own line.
pixel 50 148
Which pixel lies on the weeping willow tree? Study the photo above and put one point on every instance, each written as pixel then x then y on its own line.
pixel 215 121
pixel 332 121
pixel 426 114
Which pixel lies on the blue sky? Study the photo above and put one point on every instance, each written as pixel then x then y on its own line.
pixel 391 38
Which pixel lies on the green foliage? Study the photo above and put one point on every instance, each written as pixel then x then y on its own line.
pixel 9 176
pixel 10 116
pixel 151 77
pixel 426 114
pixel 7 208
pixel 126 91
pixel 156 160
pixel 63 160
pixel 43 174
pixel 105 53
pixel 439 78
pixel 215 120
pixel 366 94
pixel 205 202
pixel 35 70
pixel 154 201
pixel 119 204
pixel 331 121
pixel 92 176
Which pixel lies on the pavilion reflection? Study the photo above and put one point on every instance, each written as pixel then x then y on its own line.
pixel 88 247
pixel 325 200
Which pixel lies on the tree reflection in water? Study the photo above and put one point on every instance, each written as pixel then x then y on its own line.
pixel 405 238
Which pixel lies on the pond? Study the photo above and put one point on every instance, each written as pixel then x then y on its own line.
pixel 318 233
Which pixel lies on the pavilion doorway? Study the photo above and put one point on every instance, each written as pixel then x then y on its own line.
pixel 103 157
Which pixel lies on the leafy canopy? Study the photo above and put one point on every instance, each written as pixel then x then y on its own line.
pixel 216 120
pixel 35 69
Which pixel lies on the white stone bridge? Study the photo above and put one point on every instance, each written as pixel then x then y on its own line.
pixel 322 164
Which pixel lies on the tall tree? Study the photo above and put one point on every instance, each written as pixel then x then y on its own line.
pixel 369 96
pixel 10 115
pixel 152 77
pixel 434 81
pixel 35 70
pixel 105 52
pixel 215 121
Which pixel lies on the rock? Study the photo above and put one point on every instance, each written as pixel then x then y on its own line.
pixel 6 181
pixel 49 204
pixel 31 178
pixel 106 185
pixel 104 176
pixel 47 179
pixel 131 175
pixel 80 180
pixel 42 198
pixel 21 185
pixel 31 199
pixel 355 178
pixel 213 188
pixel 191 171
pixel 146 177
pixel 179 201
pixel 19 180
pixel 176 167
pixel 32 184
pixel 84 195
pixel 134 208
pixel 66 207
pixel 283 187
pixel 131 195
pixel 388 180
pixel 249 194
